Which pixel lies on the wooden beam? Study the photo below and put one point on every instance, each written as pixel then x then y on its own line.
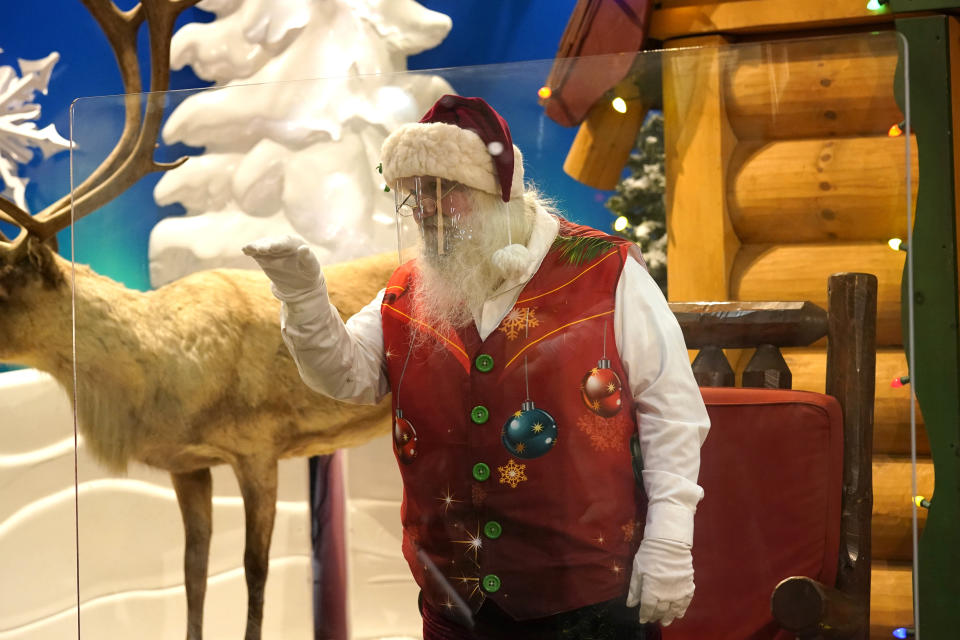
pixel 603 143
pixel 698 142
pixel 749 324
pixel 677 18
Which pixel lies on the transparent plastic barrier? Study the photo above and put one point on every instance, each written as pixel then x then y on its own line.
pixel 762 170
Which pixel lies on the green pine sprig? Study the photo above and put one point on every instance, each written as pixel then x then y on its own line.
pixel 577 250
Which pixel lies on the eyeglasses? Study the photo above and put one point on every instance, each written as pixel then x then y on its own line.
pixel 418 197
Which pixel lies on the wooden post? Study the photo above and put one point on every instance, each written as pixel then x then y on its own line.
pixel 711 368
pixel 698 142
pixel 851 369
pixel 767 369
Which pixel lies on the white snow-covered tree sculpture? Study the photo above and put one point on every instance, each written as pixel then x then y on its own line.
pixel 297 156
pixel 19 135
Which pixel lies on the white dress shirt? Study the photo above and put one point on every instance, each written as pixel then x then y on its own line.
pixel 347 362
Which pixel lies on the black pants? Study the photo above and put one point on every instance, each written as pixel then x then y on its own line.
pixel 611 620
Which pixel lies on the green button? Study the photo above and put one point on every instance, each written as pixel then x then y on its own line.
pixel 481 471
pixel 484 362
pixel 491 583
pixel 479 414
pixel 492 529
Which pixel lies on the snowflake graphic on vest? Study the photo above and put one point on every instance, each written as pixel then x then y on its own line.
pixel 512 473
pixel 606 434
pixel 631 530
pixel 519 320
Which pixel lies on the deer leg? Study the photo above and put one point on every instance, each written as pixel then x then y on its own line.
pixel 195 496
pixel 258 486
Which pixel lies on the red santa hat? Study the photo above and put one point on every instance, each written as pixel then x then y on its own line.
pixel 460 139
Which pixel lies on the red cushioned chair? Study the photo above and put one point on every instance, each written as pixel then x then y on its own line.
pixel 782 541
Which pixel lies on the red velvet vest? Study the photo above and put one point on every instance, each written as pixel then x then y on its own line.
pixel 525 498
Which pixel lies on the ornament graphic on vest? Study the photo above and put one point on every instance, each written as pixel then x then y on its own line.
pixel 601 386
pixel 530 432
pixel 600 390
pixel 404 439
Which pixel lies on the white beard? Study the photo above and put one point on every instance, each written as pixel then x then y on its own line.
pixel 450 289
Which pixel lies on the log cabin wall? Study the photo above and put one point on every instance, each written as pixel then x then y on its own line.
pixel 780 171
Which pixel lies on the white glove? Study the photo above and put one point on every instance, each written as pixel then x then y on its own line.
pixel 662 580
pixel 289 263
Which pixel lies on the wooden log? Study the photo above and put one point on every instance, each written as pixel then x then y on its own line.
pixel 893 505
pixel 821 190
pixel 851 363
pixel 891 598
pixel 891 409
pixel 749 324
pixel 812 89
pixel 797 272
pixel 675 18
pixel 604 142
pixel 809 609
pixel 698 141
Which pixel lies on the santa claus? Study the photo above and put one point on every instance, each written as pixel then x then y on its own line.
pixel 547 424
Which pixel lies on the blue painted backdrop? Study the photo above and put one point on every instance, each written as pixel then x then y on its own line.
pixel 484 32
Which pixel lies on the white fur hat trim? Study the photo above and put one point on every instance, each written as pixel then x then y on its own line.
pixel 445 151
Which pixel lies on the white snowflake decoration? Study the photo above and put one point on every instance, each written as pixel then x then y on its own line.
pixel 18 131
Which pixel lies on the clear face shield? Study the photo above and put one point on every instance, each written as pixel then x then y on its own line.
pixel 433 216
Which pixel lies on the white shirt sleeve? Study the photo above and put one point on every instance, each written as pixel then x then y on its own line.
pixel 343 361
pixel 671 417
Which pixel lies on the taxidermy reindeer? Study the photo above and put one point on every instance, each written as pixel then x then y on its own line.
pixel 185 377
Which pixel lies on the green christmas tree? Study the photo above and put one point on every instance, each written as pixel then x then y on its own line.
pixel 638 205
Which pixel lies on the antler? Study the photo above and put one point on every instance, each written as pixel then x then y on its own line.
pixel 132 157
